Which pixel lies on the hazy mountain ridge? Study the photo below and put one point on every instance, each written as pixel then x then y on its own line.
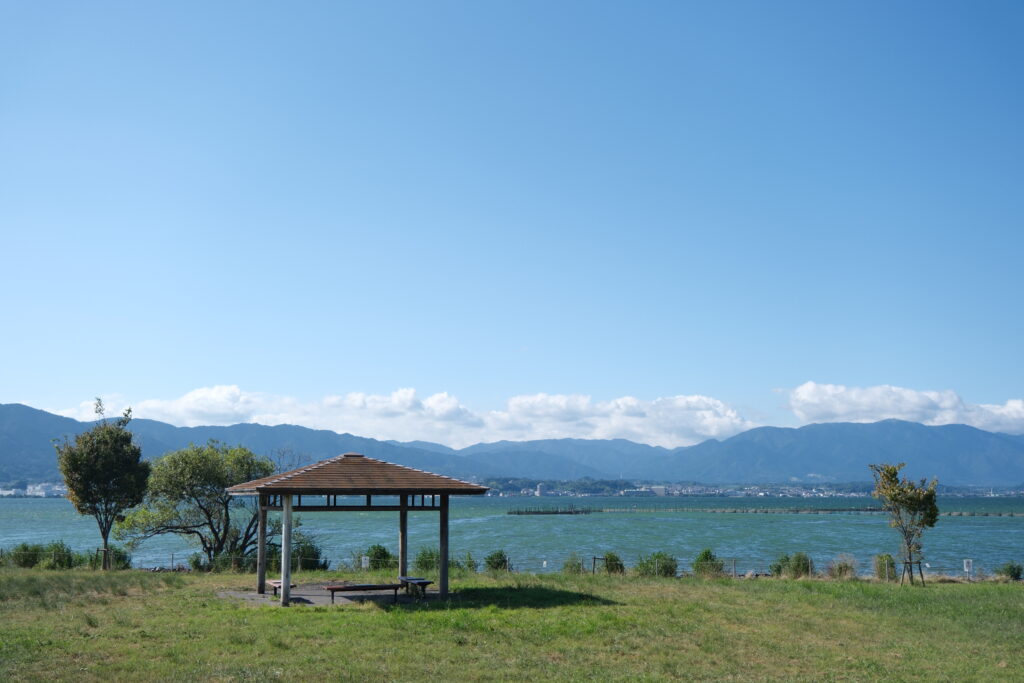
pixel 838 452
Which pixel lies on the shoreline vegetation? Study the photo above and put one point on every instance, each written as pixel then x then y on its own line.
pixel 87 625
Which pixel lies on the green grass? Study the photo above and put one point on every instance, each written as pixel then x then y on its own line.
pixel 131 625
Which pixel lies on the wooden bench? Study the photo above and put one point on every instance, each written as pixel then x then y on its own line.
pixel 415 584
pixel 276 584
pixel 343 587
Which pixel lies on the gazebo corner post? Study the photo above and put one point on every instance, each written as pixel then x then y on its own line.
pixel 261 545
pixel 443 578
pixel 403 535
pixel 286 549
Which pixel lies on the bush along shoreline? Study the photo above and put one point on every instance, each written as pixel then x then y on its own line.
pixel 309 556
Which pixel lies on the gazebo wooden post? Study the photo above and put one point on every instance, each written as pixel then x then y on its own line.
pixel 286 549
pixel 443 579
pixel 403 535
pixel 261 546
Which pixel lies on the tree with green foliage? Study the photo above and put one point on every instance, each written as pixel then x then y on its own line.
pixel 104 472
pixel 657 564
pixel 707 564
pixel 613 563
pixel 573 564
pixel 381 557
pixel 795 567
pixel 497 561
pixel 885 567
pixel 911 507
pixel 187 495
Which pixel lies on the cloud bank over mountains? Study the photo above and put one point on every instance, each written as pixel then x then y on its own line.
pixel 667 421
pixel 812 402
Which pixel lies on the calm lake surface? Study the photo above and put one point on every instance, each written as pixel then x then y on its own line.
pixel 542 542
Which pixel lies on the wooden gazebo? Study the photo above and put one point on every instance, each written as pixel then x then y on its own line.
pixel 351 474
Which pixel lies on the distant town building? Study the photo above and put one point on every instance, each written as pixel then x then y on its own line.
pixel 540 490
pixel 636 492
pixel 660 490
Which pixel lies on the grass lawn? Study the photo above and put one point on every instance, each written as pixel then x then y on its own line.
pixel 87 625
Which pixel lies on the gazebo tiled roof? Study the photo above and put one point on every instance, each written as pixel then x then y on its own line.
pixel 355 474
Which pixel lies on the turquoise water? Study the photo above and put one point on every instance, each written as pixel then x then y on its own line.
pixel 542 542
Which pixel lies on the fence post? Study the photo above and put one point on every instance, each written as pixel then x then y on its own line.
pixel 734 567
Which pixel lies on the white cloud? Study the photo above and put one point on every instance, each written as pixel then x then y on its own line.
pixel 813 402
pixel 669 421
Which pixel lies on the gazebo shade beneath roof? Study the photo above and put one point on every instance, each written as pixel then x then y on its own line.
pixel 355 474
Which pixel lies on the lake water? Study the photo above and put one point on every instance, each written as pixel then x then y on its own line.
pixel 542 542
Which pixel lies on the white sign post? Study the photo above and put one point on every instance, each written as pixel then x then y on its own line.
pixel 968 567
pixel 365 561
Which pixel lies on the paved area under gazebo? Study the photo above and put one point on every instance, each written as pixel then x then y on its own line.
pixel 313 594
pixel 345 476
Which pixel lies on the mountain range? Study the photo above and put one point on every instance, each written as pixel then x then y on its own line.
pixel 833 452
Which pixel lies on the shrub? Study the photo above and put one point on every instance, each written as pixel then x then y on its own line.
pixel 800 564
pixel 843 567
pixel 1011 570
pixel 613 564
pixel 573 564
pixel 57 555
pixel 307 554
pixel 427 560
pixel 381 557
pixel 497 561
pixel 885 567
pixel 707 564
pixel 53 555
pixel 657 564
pixel 120 558
pixel 777 567
pixel 26 555
pixel 469 563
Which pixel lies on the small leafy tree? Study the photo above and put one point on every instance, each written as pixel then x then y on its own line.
pixel 613 563
pixel 657 564
pixel 187 495
pixel 798 565
pixel 842 567
pixel 104 473
pixel 1011 570
pixel 707 564
pixel 381 557
pixel 306 555
pixel 573 564
pixel 469 563
pixel 427 560
pixel 885 567
pixel 911 507
pixel 497 562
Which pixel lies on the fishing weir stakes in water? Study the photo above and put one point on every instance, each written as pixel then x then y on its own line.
pixel 571 510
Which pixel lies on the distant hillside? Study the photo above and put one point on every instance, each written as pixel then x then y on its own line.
pixel 955 454
pixel 27 436
pixel 839 452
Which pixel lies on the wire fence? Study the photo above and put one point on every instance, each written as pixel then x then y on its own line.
pixel 735 567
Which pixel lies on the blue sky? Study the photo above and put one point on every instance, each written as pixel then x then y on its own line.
pixel 475 220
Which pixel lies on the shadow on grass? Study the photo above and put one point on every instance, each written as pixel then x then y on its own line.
pixel 536 597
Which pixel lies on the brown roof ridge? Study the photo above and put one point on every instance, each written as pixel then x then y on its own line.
pixel 285 476
pixel 414 469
